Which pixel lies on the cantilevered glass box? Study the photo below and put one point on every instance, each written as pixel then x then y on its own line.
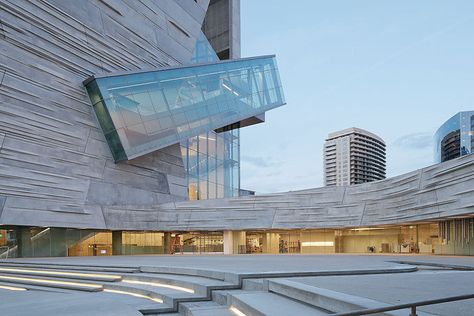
pixel 141 112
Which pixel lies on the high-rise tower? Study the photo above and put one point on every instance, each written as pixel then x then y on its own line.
pixel 353 156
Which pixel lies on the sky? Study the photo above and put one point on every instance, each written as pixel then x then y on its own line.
pixel 398 69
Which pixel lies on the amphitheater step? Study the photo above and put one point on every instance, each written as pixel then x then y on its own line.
pixel 170 297
pixel 204 309
pixel 79 275
pixel 264 303
pixel 325 299
pixel 186 283
pixel 51 282
pixel 53 266
pixel 223 297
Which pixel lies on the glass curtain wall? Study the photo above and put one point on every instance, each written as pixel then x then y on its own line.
pixel 142 242
pixel 212 164
pixel 455 137
pixel 446 238
pixel 421 238
pixel 211 160
pixel 202 242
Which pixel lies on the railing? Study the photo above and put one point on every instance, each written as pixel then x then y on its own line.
pixel 412 306
pixel 7 250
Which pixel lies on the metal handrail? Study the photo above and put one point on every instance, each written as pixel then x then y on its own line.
pixel 412 306
pixel 8 250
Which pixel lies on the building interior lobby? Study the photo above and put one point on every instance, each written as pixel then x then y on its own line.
pixel 443 238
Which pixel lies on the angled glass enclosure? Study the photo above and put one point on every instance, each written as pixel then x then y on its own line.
pixel 145 111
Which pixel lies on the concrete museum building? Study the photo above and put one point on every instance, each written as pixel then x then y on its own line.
pixel 119 134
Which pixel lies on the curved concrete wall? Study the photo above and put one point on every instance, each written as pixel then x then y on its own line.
pixel 56 169
pixel 433 193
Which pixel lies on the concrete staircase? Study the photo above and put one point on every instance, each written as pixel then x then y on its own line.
pixel 150 293
pixel 182 291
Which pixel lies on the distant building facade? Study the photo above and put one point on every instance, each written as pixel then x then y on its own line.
pixel 353 156
pixel 455 137
pixel 244 192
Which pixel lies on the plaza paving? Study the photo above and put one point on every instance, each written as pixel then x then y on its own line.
pixel 258 263
pixel 251 284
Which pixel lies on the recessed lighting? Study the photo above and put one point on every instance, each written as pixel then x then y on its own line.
pixel 72 274
pixel 158 300
pixel 169 286
pixel 47 281
pixel 12 288
pixel 236 311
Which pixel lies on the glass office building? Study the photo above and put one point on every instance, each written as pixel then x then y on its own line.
pixel 455 137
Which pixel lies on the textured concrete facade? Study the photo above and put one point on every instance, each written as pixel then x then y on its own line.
pixel 222 27
pixel 55 166
pixel 433 193
pixel 56 169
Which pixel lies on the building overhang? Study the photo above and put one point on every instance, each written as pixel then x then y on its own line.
pixel 257 119
pixel 141 112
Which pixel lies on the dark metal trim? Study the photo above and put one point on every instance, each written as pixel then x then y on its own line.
pixel 412 306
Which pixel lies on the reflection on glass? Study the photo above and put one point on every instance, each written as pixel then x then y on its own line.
pixel 143 112
pixel 455 137
pixel 211 161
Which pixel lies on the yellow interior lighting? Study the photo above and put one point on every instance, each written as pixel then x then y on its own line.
pixel 12 288
pixel 158 300
pixel 33 280
pixel 43 272
pixel 169 286
pixel 236 311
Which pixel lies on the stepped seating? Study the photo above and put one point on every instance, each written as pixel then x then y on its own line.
pixel 52 266
pixel 149 293
pixel 176 291
pixel 265 303
pixel 61 274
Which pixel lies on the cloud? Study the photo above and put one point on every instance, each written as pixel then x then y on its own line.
pixel 259 161
pixel 415 141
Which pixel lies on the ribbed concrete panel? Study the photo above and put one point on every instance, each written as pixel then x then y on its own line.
pixel 433 193
pixel 57 170
pixel 55 166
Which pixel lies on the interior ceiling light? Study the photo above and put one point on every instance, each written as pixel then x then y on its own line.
pixel 367 228
pixel 317 243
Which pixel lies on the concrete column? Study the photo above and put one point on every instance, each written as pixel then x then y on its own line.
pixel 167 243
pixel 117 242
pixel 228 242
pixel 239 242
pixel 270 243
